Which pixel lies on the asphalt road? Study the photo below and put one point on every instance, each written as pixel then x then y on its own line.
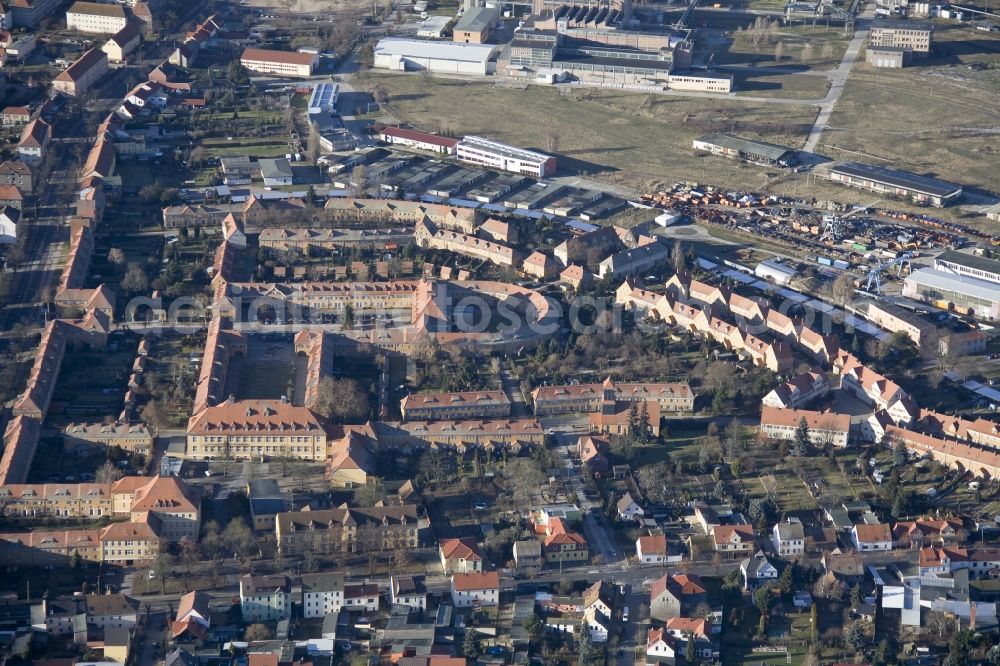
pixel 600 535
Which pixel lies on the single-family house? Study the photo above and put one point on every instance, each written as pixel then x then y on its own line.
pixel 872 537
pixel 733 539
pixel 460 555
pixel 651 549
pixel 674 594
pixel 475 589
pixel 789 538
pixel 758 570
pixel 629 509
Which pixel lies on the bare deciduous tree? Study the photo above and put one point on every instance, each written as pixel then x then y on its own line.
pixel 552 140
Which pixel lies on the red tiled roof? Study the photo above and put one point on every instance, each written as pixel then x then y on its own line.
pixel 465 549
pixel 486 580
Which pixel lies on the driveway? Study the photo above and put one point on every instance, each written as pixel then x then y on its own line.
pixel 599 533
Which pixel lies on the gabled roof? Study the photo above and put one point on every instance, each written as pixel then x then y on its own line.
pixel 677 585
pixel 464 549
pixel 422 137
pixel 17 111
pixel 11 193
pixel 486 580
pixel 35 134
pixel 101 605
pixel 689 625
pixel 790 531
pixel 250 584
pixel 130 32
pixel 11 167
pixel 753 565
pixel 873 533
pixel 652 545
pixel 82 65
pixel 97 9
pixel 129 532
pixel 726 533
pixel 166 494
pixel 602 591
pixel 284 57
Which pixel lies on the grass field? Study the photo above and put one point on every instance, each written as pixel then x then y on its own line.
pixel 819 47
pixel 794 86
pixel 943 114
pixel 629 139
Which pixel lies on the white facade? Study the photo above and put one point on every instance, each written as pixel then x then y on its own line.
pixel 266 607
pixel 598 625
pixel 124 621
pixel 446 57
pixel 415 600
pixel 361 598
pixel 495 155
pixel 321 603
pixel 660 649
pixel 265 598
pixel 778 273
pixel 433 27
pixel 279 63
pixel 630 512
pixel 869 545
pixel 8 226
pixel 700 82
pixel 473 596
pixel 655 557
pixel 100 19
pixel 788 539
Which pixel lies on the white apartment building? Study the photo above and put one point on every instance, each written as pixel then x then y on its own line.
pixel 97 18
pixel 826 428
pixel 279 63
pixel 475 589
pixel 495 155
pixel 322 594
pixel 788 539
pixel 265 598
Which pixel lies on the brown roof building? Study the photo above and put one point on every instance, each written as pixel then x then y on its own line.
pixel 349 530
pixel 279 63
pixel 460 555
pixel 79 77
pixel 579 398
pixel 458 405
pixel 256 428
pixel 15 173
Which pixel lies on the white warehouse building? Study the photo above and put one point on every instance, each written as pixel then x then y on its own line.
pixel 446 57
